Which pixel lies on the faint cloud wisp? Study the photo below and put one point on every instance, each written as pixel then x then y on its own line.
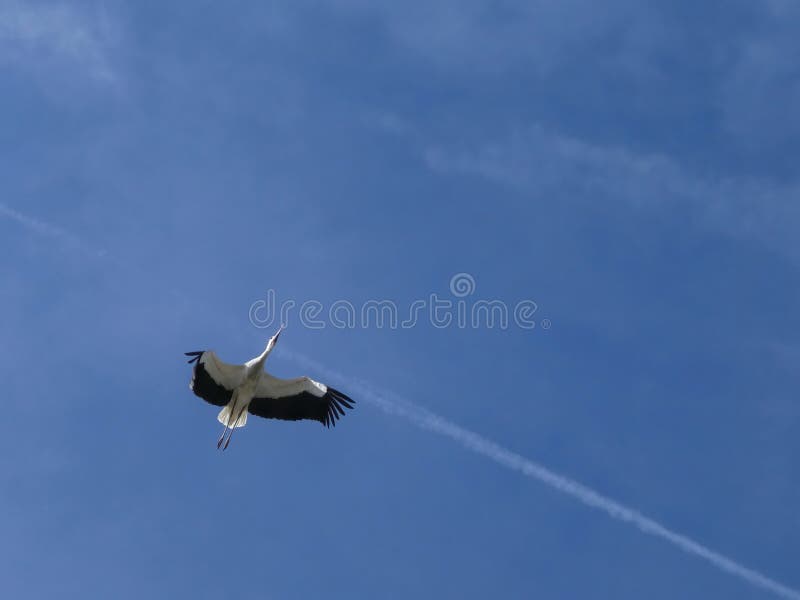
pixel 42 228
pixel 548 164
pixel 42 35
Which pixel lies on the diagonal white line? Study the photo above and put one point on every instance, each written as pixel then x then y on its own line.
pixel 425 419
pixel 48 230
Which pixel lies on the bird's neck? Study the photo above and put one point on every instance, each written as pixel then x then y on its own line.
pixel 262 358
pixel 256 366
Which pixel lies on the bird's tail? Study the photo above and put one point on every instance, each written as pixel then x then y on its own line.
pixel 227 417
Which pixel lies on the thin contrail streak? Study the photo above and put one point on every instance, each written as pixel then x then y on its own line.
pixel 424 419
pixel 48 230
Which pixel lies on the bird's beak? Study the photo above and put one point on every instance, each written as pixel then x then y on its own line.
pixel 277 335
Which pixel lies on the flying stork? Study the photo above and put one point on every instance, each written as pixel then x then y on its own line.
pixel 240 389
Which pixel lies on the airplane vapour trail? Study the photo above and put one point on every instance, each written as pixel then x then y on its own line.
pixel 67 239
pixel 36 225
pixel 427 420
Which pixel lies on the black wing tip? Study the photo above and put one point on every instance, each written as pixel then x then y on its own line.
pixel 337 403
pixel 196 355
pixel 340 396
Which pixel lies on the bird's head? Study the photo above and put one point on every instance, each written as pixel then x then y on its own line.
pixel 273 340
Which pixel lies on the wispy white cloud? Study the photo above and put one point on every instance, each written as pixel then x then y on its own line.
pixel 487 35
pixel 761 90
pixel 57 34
pixel 551 167
pixel 48 230
pixel 425 419
pixel 724 71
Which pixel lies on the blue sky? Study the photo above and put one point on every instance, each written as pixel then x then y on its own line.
pixel 630 168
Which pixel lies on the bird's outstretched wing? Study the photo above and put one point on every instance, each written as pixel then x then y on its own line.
pixel 212 379
pixel 295 399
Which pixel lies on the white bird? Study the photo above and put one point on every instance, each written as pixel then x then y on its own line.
pixel 240 389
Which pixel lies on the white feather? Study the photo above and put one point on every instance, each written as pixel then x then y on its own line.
pixel 273 387
pixel 228 376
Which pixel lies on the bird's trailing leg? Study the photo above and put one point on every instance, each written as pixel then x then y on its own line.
pixel 222 435
pixel 225 426
pixel 233 428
